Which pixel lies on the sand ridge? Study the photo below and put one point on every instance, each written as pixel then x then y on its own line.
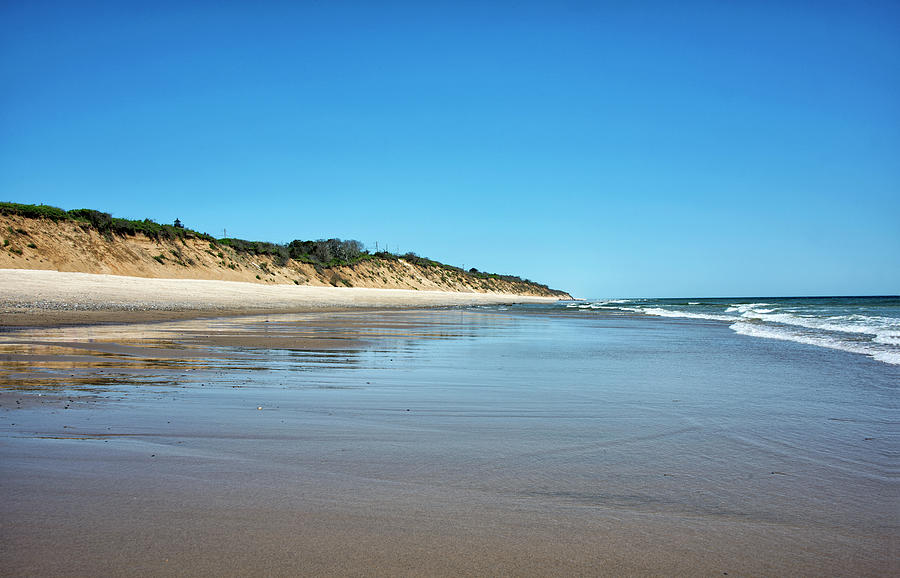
pixel 27 243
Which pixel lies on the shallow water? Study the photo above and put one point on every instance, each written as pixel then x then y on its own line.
pixel 715 450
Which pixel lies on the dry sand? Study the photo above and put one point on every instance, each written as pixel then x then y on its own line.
pixel 38 297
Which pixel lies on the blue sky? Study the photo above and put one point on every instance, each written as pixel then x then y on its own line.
pixel 607 148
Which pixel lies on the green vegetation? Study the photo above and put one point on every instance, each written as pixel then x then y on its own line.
pixel 424 262
pixel 104 223
pixel 321 254
pixel 34 211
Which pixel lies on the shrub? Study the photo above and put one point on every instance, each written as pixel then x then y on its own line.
pixel 100 221
pixel 34 211
pixel 327 252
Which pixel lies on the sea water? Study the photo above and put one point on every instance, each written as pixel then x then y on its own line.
pixel 865 325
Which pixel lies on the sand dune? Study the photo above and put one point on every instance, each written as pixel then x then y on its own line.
pixel 76 247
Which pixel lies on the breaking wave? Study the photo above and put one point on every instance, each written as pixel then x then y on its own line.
pixel 863 325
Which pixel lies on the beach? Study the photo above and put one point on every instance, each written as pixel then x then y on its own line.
pixel 449 289
pixel 43 297
pixel 472 439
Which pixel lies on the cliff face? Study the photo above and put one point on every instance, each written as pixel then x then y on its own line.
pixel 27 243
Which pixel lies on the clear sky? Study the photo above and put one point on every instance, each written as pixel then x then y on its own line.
pixel 721 148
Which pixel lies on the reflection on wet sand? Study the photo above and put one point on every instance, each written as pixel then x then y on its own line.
pixel 41 366
pixel 426 442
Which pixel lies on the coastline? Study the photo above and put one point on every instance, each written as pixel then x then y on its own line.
pixel 40 298
pixel 69 245
pixel 440 442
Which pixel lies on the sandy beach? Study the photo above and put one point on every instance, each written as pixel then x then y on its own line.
pixel 42 298
pixel 449 289
pixel 370 433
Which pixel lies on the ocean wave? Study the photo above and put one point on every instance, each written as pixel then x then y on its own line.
pixel 745 307
pixel 882 328
pixel 660 312
pixel 785 334
pixel 606 302
pixel 602 304
pixel 657 311
pixel 888 338
pixel 835 326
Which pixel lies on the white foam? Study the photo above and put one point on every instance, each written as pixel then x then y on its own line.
pixel 659 312
pixel 785 334
pixel 604 302
pixel 877 337
pixel 888 338
pixel 884 329
pixel 744 307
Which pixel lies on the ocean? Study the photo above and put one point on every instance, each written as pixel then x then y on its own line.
pixel 864 325
pixel 604 437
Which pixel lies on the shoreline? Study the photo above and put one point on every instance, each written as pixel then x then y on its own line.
pixel 43 298
pixel 438 442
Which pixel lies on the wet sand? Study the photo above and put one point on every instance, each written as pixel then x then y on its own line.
pixel 441 442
